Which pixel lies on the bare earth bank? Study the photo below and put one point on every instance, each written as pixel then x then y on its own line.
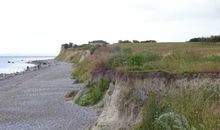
pixel 35 101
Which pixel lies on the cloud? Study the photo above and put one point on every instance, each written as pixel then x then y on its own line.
pixel 179 9
pixel 29 26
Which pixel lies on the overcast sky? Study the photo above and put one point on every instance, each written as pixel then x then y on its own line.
pixel 39 27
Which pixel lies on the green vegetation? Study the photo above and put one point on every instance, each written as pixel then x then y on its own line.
pixel 136 41
pixel 213 58
pixel 186 109
pixel 137 61
pixel 95 93
pixel 206 39
pixel 90 47
pixel 82 71
pixel 175 57
pixel 129 57
pixel 60 57
pixel 69 45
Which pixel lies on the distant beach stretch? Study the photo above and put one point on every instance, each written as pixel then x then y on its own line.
pixel 14 65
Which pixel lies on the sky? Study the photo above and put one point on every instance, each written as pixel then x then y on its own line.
pixel 39 27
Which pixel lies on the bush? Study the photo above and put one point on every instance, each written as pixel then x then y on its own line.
pixel 65 46
pixel 149 41
pixel 90 47
pixel 133 59
pixel 171 121
pixel 136 41
pixel 126 50
pixel 137 59
pixel 206 39
pixel 213 58
pixel 96 92
pixel 125 41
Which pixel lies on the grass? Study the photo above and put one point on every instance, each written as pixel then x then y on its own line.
pixel 134 62
pixel 82 71
pixel 143 57
pixel 96 92
pixel 151 111
pixel 176 57
pixel 186 109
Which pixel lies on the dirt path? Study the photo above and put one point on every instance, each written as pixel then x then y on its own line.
pixel 35 101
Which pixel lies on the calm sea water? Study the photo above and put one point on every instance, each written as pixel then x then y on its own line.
pixel 18 63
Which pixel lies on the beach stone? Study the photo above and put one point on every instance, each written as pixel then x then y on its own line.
pixel 35 101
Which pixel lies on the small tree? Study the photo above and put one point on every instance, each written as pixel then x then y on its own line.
pixel 136 41
pixel 65 46
pixel 70 45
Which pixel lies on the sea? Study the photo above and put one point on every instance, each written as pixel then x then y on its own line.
pixel 13 64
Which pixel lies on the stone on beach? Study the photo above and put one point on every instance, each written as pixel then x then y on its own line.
pixel 35 100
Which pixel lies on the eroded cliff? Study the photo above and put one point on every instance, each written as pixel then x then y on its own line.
pixel 125 98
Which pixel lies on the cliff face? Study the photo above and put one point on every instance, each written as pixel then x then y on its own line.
pixel 71 54
pixel 124 100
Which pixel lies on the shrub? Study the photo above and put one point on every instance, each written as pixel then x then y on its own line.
pixel 206 39
pixel 95 94
pixel 70 45
pixel 65 46
pixel 133 59
pixel 126 51
pixel 171 121
pixel 124 41
pixel 137 59
pixel 213 58
pixel 136 41
pixel 90 47
pixel 149 41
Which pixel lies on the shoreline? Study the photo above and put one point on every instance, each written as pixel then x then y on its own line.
pixel 40 63
pixel 36 100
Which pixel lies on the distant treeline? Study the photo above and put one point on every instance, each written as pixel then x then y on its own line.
pixel 136 41
pixel 206 39
pixel 69 45
pixel 98 41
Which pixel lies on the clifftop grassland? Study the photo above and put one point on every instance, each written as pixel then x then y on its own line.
pixel 144 57
pixel 149 86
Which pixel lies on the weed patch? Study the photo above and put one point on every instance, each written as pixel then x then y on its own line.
pixel 132 59
pixel 96 92
pixel 186 109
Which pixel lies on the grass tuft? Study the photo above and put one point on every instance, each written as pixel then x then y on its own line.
pixel 96 92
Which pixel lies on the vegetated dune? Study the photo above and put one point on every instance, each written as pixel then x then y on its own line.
pixel 150 86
